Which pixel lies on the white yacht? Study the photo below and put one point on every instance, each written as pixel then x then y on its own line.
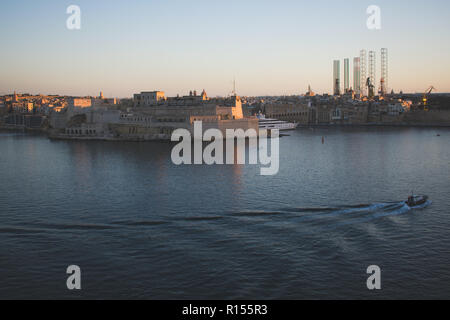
pixel 268 124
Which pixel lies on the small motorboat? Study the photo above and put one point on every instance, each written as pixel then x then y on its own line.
pixel 414 201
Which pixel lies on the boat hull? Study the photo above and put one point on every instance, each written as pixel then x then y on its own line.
pixel 275 124
pixel 281 127
pixel 417 201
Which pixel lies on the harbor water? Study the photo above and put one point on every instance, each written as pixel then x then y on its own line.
pixel 139 226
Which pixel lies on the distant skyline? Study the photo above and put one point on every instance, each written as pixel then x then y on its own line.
pixel 269 47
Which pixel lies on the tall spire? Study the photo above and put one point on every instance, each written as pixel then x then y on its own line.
pixel 234 85
pixel 309 93
pixel 204 95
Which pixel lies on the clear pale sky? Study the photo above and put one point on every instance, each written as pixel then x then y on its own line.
pixel 271 47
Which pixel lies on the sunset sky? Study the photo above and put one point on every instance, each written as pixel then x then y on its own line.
pixel 270 47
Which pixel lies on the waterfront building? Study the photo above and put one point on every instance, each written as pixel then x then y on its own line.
pixel 395 109
pixel 29 106
pixel 336 77
pixel 349 114
pixel 346 75
pixel 79 103
pixel 299 112
pixel 104 102
pixel 357 76
pixel 147 99
pixel 319 110
pixel 153 117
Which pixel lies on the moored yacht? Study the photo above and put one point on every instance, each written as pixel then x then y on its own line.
pixel 269 124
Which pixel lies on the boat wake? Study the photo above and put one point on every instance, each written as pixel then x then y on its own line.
pixel 333 216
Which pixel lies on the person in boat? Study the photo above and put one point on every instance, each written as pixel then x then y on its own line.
pixel 410 200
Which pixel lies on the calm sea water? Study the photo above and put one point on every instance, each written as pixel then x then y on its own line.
pixel 141 227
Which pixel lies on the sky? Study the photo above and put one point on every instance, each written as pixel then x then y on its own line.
pixel 269 47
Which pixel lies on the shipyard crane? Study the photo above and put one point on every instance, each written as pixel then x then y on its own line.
pixel 426 94
pixel 371 87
